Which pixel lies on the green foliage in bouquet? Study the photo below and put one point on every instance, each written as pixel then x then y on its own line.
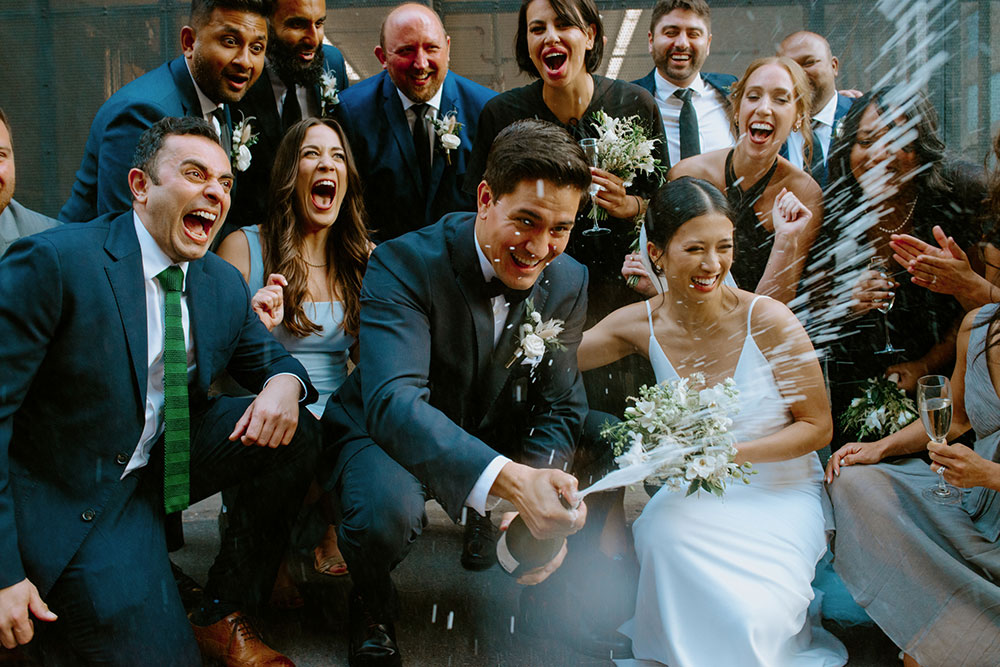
pixel 882 409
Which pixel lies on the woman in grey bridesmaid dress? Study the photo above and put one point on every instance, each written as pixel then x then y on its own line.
pixel 927 573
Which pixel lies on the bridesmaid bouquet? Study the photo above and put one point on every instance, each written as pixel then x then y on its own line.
pixel 882 409
pixel 623 149
pixel 680 436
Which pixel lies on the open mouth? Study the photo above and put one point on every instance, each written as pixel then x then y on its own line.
pixel 323 194
pixel 680 57
pixel 422 77
pixel 760 132
pixel 237 81
pixel 554 60
pixel 703 283
pixel 198 224
pixel 526 262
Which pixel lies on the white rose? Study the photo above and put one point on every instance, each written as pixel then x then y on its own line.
pixel 243 158
pixel 536 318
pixel 451 141
pixel 533 346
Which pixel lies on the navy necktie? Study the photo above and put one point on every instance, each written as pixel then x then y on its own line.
pixel 690 142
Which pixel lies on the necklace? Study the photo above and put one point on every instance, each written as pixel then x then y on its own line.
pixel 315 266
pixel 909 215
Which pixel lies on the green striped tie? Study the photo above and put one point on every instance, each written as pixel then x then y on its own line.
pixel 176 423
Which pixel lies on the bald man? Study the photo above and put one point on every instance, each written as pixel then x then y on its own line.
pixel 812 52
pixel 411 176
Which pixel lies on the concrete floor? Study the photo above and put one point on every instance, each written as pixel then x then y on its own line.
pixel 451 617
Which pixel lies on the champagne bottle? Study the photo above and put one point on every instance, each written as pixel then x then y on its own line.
pixel 518 551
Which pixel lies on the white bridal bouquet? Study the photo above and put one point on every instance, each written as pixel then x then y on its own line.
pixel 623 148
pixel 882 409
pixel 681 434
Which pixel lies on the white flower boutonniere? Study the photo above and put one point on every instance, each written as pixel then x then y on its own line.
pixel 328 92
pixel 243 138
pixel 536 337
pixel 447 128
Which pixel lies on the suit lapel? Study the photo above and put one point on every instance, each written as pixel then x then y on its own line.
pixel 201 308
pixel 393 108
pixel 185 85
pixel 498 372
pixel 125 275
pixel 449 102
pixel 469 276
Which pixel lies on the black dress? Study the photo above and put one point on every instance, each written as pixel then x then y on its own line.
pixel 919 318
pixel 607 387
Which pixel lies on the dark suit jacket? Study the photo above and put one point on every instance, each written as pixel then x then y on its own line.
pixel 102 180
pixel 721 82
pixel 431 391
pixel 250 194
pixel 382 143
pixel 73 365
pixel 843 106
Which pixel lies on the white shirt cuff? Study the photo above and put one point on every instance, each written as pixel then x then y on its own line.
pixel 480 497
pixel 302 397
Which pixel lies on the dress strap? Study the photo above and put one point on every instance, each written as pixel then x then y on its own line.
pixel 649 316
pixel 750 311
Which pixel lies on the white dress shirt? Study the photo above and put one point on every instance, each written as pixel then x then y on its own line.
pixel 822 133
pixel 479 498
pixel 433 108
pixel 207 105
pixel 153 262
pixel 714 132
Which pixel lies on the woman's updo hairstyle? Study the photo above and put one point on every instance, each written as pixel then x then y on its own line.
pixel 677 202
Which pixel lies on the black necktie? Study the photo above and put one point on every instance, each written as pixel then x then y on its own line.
pixel 421 142
pixel 225 133
pixel 818 166
pixel 495 288
pixel 690 142
pixel 291 112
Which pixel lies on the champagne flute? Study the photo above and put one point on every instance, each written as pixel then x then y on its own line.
pixel 881 266
pixel 934 402
pixel 589 146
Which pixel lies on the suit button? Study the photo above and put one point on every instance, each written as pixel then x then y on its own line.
pixel 88 515
pixel 121 459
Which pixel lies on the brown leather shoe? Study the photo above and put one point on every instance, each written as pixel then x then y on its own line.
pixel 234 642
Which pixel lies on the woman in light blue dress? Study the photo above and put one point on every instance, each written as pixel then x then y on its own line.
pixel 727 581
pixel 305 265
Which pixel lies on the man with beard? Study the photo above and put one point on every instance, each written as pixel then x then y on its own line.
pixel 812 52
pixel 412 167
pixel 224 45
pixel 694 105
pixel 297 61
pixel 15 220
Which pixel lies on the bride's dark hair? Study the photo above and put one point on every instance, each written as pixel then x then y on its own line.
pixel 677 202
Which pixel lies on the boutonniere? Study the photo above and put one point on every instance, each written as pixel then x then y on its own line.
pixel 447 128
pixel 536 337
pixel 328 92
pixel 243 138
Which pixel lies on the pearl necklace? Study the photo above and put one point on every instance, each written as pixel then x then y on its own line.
pixel 909 215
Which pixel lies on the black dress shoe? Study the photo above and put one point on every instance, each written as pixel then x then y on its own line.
pixel 372 641
pixel 190 590
pixel 479 547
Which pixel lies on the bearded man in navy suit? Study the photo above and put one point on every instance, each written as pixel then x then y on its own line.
pixel 412 174
pixel 298 62
pixel 680 38
pixel 224 45
pixel 84 389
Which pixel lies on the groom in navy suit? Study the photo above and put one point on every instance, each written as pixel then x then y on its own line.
pixel 298 62
pixel 224 45
pixel 411 176
pixel 442 403
pixel 84 388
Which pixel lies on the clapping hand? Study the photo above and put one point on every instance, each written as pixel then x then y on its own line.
pixel 269 301
pixel 788 215
pixel 945 269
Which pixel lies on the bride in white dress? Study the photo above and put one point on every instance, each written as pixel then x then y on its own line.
pixel 726 581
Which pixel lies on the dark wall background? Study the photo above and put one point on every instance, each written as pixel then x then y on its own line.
pixel 62 58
